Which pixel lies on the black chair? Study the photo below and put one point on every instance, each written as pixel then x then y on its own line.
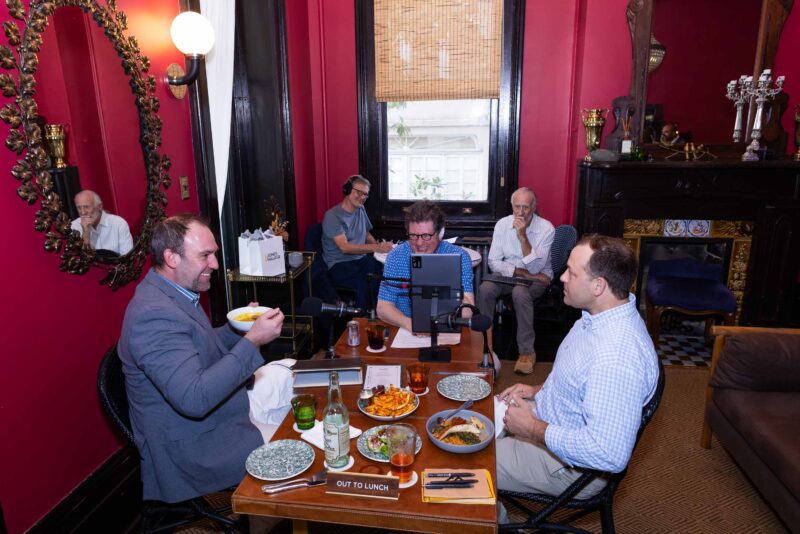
pixel 603 501
pixel 156 516
pixel 322 285
pixel 554 317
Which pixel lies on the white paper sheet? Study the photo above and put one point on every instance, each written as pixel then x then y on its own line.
pixel 406 340
pixel 383 375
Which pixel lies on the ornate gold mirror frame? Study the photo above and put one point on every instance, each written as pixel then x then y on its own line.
pixel 25 137
pixel 640 13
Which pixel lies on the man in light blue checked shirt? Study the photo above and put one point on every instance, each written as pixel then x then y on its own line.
pixel 588 411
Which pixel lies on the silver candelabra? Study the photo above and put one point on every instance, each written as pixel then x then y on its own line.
pixel 762 93
pixel 739 95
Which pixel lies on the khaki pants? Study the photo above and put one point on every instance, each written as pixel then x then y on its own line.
pixel 525 467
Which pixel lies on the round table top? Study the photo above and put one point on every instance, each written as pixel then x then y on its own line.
pixel 474 255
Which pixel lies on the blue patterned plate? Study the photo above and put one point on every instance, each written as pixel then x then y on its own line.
pixel 361 444
pixel 279 460
pixel 464 387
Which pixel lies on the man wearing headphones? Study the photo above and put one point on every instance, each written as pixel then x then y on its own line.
pixel 424 223
pixel 347 243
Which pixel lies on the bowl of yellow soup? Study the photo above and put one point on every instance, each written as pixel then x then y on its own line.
pixel 243 318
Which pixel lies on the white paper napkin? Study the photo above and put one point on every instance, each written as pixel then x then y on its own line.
pixel 315 435
pixel 271 396
pixel 500 408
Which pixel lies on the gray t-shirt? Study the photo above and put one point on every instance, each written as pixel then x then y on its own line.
pixel 354 226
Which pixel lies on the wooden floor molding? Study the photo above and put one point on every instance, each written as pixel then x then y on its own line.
pixel 111 496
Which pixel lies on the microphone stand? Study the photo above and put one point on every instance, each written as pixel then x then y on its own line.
pixel 435 353
pixel 488 361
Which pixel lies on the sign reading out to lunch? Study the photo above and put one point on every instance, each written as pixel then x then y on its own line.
pixel 363 485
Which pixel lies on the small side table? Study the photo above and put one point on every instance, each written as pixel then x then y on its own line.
pixel 301 328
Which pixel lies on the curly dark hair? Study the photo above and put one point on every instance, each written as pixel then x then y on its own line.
pixel 169 234
pixel 425 210
pixel 613 260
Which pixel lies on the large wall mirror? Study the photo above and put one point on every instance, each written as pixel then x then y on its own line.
pixel 69 62
pixel 706 44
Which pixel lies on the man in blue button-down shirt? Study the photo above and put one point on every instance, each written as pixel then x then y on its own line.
pixel 588 411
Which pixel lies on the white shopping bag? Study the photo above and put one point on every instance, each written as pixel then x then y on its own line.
pixel 261 254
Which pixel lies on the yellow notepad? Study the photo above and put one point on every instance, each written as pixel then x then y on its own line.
pixel 481 493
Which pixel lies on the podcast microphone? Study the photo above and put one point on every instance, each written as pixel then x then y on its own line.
pixel 479 323
pixel 313 306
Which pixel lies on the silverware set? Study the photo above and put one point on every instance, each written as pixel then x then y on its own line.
pixel 316 480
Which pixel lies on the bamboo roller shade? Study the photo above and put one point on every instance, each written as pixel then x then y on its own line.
pixel 437 49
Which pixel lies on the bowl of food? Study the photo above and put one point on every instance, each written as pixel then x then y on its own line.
pixel 242 319
pixel 466 432
pixel 390 404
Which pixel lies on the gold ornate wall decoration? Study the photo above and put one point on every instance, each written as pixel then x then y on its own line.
pixel 739 232
pixel 25 137
pixel 649 227
pixel 737 273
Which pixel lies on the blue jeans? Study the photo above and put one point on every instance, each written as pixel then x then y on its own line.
pixel 353 275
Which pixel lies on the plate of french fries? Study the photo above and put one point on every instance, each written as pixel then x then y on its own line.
pixel 390 405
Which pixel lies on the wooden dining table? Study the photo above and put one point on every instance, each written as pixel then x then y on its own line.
pixel 409 513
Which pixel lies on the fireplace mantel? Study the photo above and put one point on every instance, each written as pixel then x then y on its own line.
pixel 766 192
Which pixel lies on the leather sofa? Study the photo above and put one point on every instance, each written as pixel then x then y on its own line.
pixel 753 407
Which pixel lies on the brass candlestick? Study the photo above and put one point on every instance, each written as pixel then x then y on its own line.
pixel 55 137
pixel 593 121
pixel 797 132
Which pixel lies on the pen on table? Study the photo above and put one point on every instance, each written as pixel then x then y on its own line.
pixel 448 475
pixel 454 484
pixel 459 373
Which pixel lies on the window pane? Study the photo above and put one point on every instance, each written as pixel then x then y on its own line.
pixel 439 149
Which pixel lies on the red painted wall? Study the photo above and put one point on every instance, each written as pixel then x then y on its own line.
pixel 787 63
pixel 57 326
pixel 690 86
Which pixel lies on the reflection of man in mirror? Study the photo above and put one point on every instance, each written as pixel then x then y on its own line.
pixel 100 230
pixel 670 135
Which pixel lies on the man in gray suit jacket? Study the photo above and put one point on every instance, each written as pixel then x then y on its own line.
pixel 185 380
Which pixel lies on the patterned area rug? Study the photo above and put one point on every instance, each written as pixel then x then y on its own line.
pixel 673 484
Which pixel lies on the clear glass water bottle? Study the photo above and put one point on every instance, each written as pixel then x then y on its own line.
pixel 336 425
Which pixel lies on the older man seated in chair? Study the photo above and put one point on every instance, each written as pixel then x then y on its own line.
pixel 587 413
pixel 520 248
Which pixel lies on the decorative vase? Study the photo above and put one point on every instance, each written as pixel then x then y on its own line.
pixel 55 137
pixel 593 121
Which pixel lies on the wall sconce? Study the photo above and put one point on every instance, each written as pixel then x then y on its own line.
pixel 193 35
pixel 657 52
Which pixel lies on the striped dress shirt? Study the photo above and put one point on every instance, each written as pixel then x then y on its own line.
pixel 605 371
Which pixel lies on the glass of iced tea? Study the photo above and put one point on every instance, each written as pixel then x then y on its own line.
pixel 401 442
pixel 418 377
pixel 375 337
